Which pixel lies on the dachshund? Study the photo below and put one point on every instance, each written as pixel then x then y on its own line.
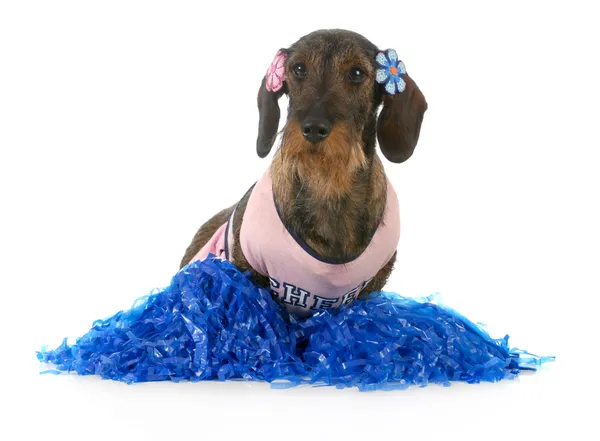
pixel 321 227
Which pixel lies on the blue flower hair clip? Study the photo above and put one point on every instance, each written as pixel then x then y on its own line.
pixel 390 71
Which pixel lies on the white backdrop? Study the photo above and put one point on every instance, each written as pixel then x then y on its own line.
pixel 124 125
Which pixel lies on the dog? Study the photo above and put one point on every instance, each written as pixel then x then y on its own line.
pixel 321 227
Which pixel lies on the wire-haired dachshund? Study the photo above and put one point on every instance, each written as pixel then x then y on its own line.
pixel 321 227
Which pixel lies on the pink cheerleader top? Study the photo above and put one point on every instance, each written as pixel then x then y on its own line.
pixel 301 278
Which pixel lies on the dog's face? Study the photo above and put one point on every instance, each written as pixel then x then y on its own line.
pixel 330 79
pixel 330 84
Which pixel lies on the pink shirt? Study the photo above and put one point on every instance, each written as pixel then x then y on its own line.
pixel 301 278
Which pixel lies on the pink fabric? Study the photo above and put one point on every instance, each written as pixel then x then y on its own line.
pixel 300 280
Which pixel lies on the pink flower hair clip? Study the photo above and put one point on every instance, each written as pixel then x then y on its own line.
pixel 276 72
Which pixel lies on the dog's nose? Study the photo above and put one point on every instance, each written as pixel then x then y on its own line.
pixel 316 129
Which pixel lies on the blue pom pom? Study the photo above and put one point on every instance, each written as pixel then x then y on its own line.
pixel 213 323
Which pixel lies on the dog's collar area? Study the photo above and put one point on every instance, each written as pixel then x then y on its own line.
pixel 311 251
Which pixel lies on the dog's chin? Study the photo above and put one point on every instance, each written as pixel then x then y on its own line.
pixel 327 167
pixel 312 147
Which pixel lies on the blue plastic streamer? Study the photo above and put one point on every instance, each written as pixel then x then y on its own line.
pixel 213 323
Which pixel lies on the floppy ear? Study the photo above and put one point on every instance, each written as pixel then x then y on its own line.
pixel 268 122
pixel 272 87
pixel 399 123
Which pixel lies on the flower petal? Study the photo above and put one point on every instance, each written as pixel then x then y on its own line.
pixel 280 60
pixel 279 71
pixel 381 75
pixel 392 56
pixel 382 60
pixel 269 83
pixel 400 84
pixel 401 68
pixel 277 83
pixel 390 87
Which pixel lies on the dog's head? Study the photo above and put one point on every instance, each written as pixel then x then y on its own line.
pixel 336 81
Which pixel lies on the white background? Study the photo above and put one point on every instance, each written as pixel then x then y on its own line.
pixel 118 120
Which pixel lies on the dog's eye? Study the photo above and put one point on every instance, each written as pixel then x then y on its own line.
pixel 357 75
pixel 299 70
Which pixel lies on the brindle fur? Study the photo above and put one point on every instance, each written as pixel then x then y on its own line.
pixel 333 193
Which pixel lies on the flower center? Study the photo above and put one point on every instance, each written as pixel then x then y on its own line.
pixel 393 70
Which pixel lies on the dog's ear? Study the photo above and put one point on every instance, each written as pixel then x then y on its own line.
pixel 399 122
pixel 271 89
pixel 268 122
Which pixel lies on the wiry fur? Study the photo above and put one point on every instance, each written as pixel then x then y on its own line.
pixel 331 193
pixel 328 169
